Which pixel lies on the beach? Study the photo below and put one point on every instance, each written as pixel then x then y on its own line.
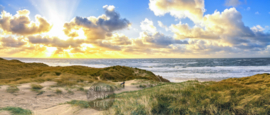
pixel 39 89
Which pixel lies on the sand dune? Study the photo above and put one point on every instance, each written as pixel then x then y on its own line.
pixel 50 103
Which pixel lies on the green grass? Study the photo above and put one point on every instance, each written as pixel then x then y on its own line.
pixel 17 111
pixel 12 89
pixel 82 104
pixel 80 89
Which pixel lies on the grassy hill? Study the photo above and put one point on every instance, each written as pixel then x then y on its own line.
pixel 235 96
pixel 14 71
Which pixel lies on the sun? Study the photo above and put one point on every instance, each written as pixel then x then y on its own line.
pixel 57 29
pixel 58 12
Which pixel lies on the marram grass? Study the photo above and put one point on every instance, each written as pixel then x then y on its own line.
pixel 17 72
pixel 226 97
pixel 17 110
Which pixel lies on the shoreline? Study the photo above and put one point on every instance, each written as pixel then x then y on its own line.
pixel 171 69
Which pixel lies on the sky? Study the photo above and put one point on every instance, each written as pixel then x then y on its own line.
pixel 134 28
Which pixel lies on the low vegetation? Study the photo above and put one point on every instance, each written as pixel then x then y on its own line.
pixel 141 83
pixel 17 72
pixel 70 92
pixel 241 96
pixel 17 110
pixel 82 104
pixel 58 91
pixel 12 89
pixel 36 86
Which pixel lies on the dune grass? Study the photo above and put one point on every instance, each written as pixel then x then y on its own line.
pixel 142 83
pixel 193 97
pixel 36 86
pixel 58 91
pixel 17 72
pixel 80 103
pixel 12 89
pixel 17 110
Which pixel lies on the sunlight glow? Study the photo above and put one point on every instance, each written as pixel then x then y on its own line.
pixel 58 12
pixel 50 51
pixel 81 34
pixel 57 30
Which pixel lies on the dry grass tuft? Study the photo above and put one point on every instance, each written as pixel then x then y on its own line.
pixel 12 89
pixel 36 86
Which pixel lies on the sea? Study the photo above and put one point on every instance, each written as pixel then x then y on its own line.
pixel 175 70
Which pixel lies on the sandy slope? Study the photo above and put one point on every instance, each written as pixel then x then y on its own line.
pixel 49 102
pixel 4 113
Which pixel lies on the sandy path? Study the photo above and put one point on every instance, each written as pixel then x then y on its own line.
pixel 48 102
pixel 4 113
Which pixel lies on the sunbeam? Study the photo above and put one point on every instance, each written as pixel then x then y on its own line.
pixel 57 12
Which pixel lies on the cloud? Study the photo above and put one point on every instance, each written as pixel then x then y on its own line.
pixel 12 42
pixel 218 34
pixel 227 28
pixel 232 2
pixel 160 24
pixel 257 28
pixel 257 13
pixel 55 41
pixel 2 8
pixel 148 26
pixel 97 27
pixel 20 24
pixel 120 39
pixel 192 9
pixel 219 24
pixel 159 39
